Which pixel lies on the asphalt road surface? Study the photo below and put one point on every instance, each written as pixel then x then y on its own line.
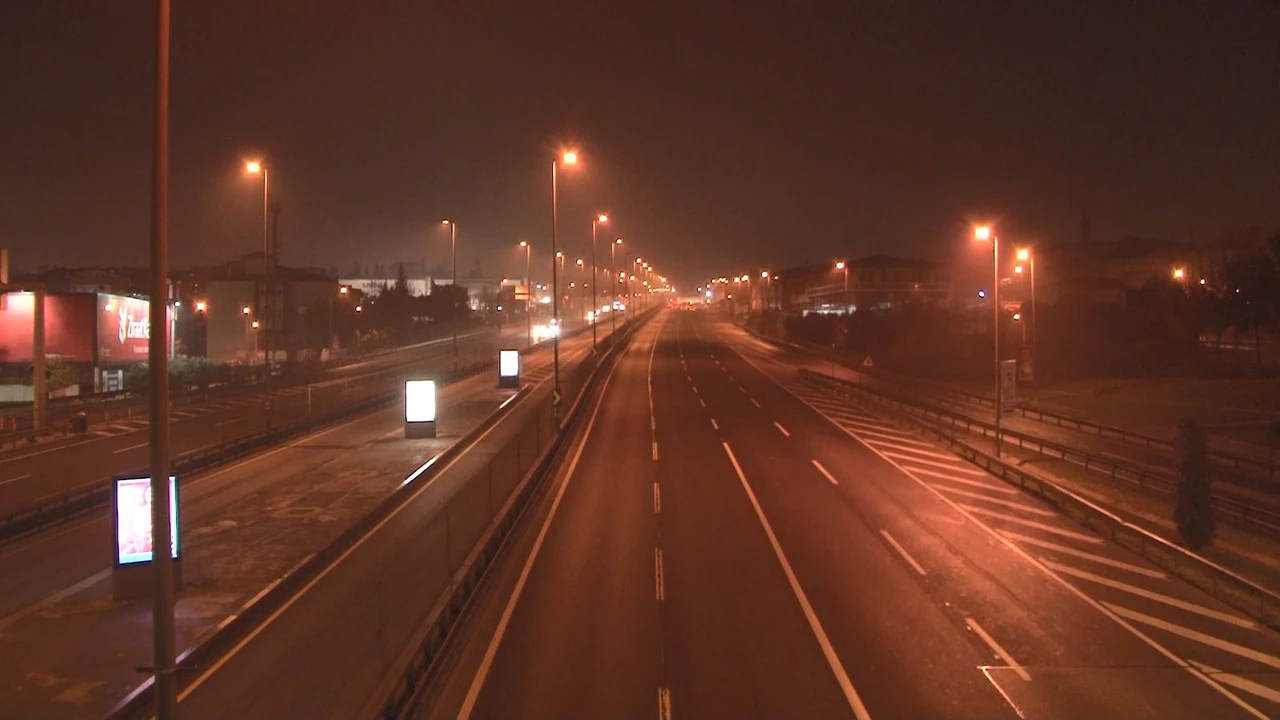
pixel 34 473
pixel 725 542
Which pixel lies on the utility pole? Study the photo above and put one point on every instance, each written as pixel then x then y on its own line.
pixel 39 391
pixel 166 696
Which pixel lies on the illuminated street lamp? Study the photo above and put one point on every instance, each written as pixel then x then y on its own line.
pixel 453 252
pixel 982 233
pixel 528 291
pixel 569 158
pixel 595 273
pixel 1179 273
pixel 613 289
pixel 342 291
pixel 582 291
pixel 255 167
pixel 1025 255
pixel 201 306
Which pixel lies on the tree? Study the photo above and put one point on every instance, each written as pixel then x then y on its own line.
pixel 1193 496
pixel 1253 286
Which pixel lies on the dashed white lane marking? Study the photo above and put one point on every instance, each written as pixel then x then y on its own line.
pixel 1118 564
pixel 755 402
pixel 917 451
pixel 703 402
pixel 1011 504
pixel 1031 523
pixel 657 499
pixel 999 651
pixel 824 472
pixel 1199 637
pixel 1149 595
pixel 659 587
pixel 742 390
pixel 903 552
pixel 695 389
pixel 991 486
pixel 655 450
pixel 688 377
pixel 781 429
pixel 664 704
pixel 1239 683
pixel 842 677
pixel 714 424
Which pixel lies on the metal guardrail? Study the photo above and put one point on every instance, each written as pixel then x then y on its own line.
pixel 62 506
pixel 1238 509
pixel 1223 584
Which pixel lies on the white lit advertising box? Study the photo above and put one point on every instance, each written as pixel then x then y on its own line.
pixel 131 500
pixel 420 408
pixel 508 368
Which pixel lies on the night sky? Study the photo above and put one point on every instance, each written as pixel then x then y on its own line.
pixel 719 135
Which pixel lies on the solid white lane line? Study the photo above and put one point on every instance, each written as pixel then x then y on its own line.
pixel 781 429
pixel 917 451
pixel 659 590
pixel 702 402
pixel 956 466
pixel 895 438
pixel 850 694
pixel 1188 633
pixel 1149 595
pixel 1118 564
pixel 992 485
pixel 903 552
pixel 1092 539
pixel 664 704
pixel 653 423
pixel 1239 683
pixel 657 499
pixel 131 447
pixel 482 672
pixel 824 472
pixel 655 450
pixel 15 479
pixel 755 402
pixel 1011 504
pixel 714 424
pixel 999 651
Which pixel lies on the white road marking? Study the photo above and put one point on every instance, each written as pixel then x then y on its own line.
pixel 1092 539
pixel 992 485
pixel 824 472
pixel 781 429
pixel 232 421
pixel 659 588
pixel 755 402
pixel 895 438
pixel 1118 564
pixel 1149 595
pixel 664 704
pixel 688 377
pixel 131 447
pixel 956 466
pixel 903 552
pixel 1199 637
pixel 655 450
pixel 999 651
pixel 54 599
pixel 714 424
pixel 917 451
pixel 1011 504
pixel 482 672
pixel 695 389
pixel 657 499
pixel 1239 683
pixel 850 694
pixel 15 479
pixel 702 402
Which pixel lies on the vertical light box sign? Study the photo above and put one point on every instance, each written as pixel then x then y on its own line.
pixel 131 499
pixel 508 368
pixel 420 408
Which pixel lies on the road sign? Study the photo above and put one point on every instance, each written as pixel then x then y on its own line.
pixel 867 363
pixel 1008 386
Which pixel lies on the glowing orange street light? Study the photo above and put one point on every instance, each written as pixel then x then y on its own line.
pixel 343 290
pixel 255 324
pixel 1017 269
pixel 1024 254
pixel 982 232
pixel 570 157
pixel 201 306
pixel 244 310
pixel 253 167
pixel 1179 273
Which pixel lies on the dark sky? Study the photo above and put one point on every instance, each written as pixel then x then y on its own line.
pixel 720 135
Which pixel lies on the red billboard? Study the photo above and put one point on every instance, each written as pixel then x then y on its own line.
pixel 68 327
pixel 124 328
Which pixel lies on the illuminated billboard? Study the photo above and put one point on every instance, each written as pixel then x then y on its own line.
pixel 131 501
pixel 124 328
pixel 508 368
pixel 68 327
pixel 420 408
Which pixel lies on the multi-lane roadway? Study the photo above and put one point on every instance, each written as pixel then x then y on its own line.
pixel 726 542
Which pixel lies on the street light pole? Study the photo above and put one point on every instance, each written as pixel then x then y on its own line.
pixel 453 252
pixel 569 159
pixel 613 291
pixel 254 167
pixel 595 276
pixel 528 292
pixel 165 682
pixel 582 295
pixel 984 233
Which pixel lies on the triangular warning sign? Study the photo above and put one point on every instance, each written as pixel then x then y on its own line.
pixel 868 363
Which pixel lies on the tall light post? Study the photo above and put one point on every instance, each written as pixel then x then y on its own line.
pixel 982 233
pixel 582 292
pixel 255 167
pixel 843 265
pixel 1025 255
pixel 453 252
pixel 614 281
pixel 163 642
pixel 569 158
pixel 595 276
pixel 631 292
pixel 528 291
pixel 342 291
pixel 768 287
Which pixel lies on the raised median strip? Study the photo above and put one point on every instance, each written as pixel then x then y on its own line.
pixel 1223 584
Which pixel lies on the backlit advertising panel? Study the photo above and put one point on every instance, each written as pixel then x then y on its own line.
pixel 508 363
pixel 131 501
pixel 124 328
pixel 419 401
pixel 68 327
